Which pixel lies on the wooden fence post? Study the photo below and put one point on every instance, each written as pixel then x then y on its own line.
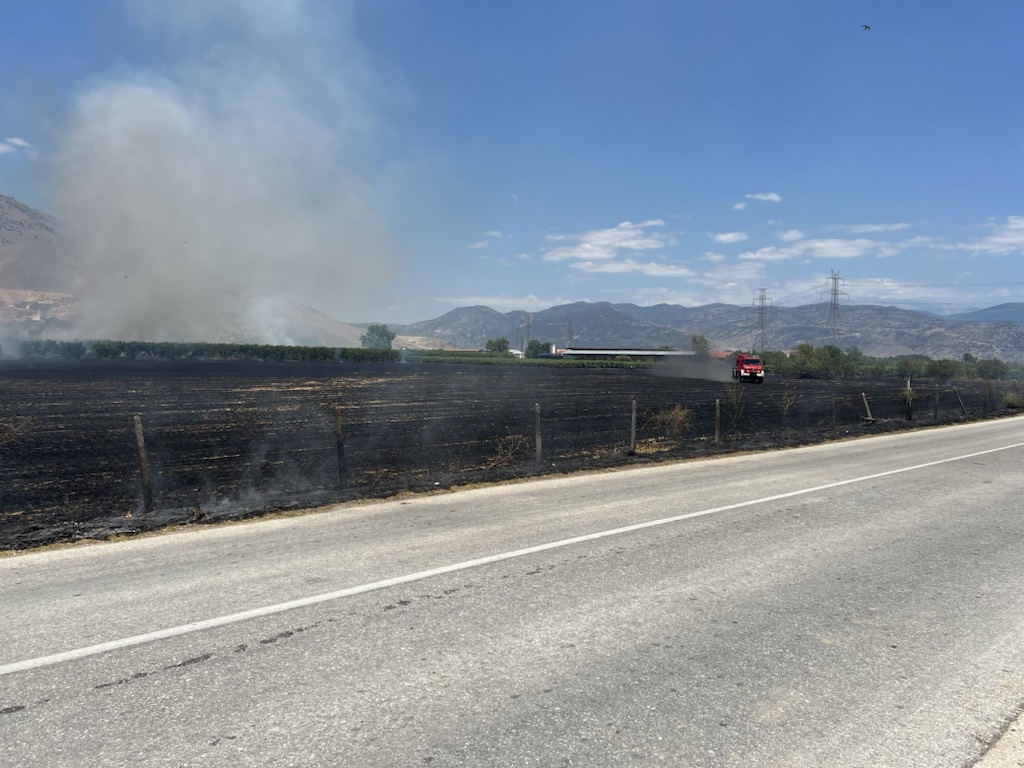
pixel 962 406
pixel 718 420
pixel 536 429
pixel 632 429
pixel 339 437
pixel 867 407
pixel 140 444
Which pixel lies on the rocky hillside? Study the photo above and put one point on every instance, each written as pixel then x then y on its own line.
pixel 33 255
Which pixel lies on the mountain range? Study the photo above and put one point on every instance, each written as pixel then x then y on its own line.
pixel 37 299
pixel 874 330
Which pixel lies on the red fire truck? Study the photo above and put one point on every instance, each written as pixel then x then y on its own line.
pixel 748 368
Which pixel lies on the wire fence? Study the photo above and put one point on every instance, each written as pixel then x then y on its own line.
pixel 198 441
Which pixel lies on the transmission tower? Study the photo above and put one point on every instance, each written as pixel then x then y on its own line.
pixel 833 316
pixel 761 304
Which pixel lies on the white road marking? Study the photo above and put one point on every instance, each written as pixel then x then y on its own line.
pixel 269 610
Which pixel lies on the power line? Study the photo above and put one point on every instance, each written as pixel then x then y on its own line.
pixel 791 296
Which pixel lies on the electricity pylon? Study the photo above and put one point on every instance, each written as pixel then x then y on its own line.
pixel 834 323
pixel 762 303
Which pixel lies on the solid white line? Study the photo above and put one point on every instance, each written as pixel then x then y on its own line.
pixel 269 610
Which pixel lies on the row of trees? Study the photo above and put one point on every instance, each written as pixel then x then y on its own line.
pixel 829 361
pixel 806 361
pixel 535 348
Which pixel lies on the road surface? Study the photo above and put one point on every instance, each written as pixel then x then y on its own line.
pixel 852 604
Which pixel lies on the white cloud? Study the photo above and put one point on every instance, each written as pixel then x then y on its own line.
pixel 923 241
pixel 732 275
pixel 714 258
pixel 825 248
pixel 769 253
pixel 933 297
pixel 866 229
pixel 628 266
pixel 725 283
pixel 768 197
pixel 502 302
pixel 739 206
pixel 729 237
pixel 488 239
pixel 836 248
pixel 685 297
pixel 1006 238
pixel 790 235
pixel 16 145
pixel 607 244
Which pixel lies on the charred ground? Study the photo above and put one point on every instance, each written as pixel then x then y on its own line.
pixel 236 439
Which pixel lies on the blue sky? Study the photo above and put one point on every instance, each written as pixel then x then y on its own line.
pixel 389 160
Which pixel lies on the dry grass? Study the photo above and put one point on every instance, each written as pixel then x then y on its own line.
pixel 14 428
pixel 675 421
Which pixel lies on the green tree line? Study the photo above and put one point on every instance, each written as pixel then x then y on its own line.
pixel 829 362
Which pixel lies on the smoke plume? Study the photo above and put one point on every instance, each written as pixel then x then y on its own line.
pixel 207 195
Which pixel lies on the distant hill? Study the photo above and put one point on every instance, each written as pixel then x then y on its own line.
pixel 874 330
pixel 38 273
pixel 33 254
pixel 37 270
pixel 1001 313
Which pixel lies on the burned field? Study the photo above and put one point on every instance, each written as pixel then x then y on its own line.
pixel 90 449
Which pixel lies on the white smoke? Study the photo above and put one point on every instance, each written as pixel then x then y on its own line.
pixel 210 194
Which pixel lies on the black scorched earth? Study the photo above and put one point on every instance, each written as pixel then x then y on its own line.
pixel 91 448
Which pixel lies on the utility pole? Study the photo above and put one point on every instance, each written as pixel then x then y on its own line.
pixel 568 340
pixel 833 318
pixel 761 303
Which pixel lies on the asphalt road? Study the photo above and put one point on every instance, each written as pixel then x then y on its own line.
pixel 851 604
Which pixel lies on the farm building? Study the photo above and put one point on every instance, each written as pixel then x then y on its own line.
pixel 616 353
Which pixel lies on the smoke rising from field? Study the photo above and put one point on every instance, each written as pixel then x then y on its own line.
pixel 207 196
pixel 711 370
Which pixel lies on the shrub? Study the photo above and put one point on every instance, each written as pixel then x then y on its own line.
pixel 675 421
